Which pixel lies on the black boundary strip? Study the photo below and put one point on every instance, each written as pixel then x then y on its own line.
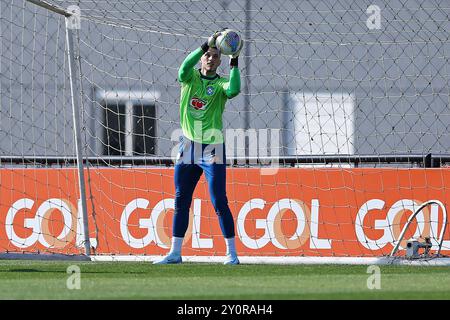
pixel 230 309
pixel 426 161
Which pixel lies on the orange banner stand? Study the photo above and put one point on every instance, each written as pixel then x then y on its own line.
pixel 290 212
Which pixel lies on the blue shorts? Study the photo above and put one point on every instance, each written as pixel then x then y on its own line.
pixel 191 152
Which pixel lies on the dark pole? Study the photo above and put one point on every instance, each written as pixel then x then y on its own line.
pixel 247 70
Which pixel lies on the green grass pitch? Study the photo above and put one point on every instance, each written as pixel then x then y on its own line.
pixel 142 280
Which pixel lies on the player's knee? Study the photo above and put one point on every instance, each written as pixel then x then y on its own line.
pixel 182 196
pixel 221 207
pixel 182 204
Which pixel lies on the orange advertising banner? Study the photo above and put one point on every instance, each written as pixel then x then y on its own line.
pixel 289 212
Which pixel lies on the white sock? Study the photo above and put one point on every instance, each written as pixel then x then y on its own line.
pixel 231 247
pixel 176 245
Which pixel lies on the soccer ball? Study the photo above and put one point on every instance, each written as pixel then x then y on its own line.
pixel 228 42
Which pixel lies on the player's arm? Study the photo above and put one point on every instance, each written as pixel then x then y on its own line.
pixel 187 67
pixel 233 87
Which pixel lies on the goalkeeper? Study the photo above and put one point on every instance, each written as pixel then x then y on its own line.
pixel 202 149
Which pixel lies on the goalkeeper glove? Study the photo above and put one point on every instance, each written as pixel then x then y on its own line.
pixel 212 39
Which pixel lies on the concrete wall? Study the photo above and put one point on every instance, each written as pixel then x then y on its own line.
pixel 398 74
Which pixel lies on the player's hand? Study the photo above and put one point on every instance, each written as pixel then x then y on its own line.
pixel 236 54
pixel 212 39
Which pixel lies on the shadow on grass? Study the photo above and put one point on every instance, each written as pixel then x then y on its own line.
pixel 64 271
pixel 22 270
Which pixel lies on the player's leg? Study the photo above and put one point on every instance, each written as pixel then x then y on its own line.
pixel 186 178
pixel 216 176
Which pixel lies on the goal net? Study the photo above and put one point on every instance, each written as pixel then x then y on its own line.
pixel 339 135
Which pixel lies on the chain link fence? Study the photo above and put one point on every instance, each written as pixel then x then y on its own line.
pixel 339 77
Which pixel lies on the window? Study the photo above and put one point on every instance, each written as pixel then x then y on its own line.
pixel 129 123
pixel 319 123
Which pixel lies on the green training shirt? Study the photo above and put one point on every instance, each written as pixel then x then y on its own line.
pixel 203 99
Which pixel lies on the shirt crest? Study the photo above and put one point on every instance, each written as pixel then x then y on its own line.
pixel 209 90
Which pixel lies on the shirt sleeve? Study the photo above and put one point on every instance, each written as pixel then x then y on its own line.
pixel 233 87
pixel 187 67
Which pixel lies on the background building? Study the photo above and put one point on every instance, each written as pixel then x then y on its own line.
pixel 333 77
